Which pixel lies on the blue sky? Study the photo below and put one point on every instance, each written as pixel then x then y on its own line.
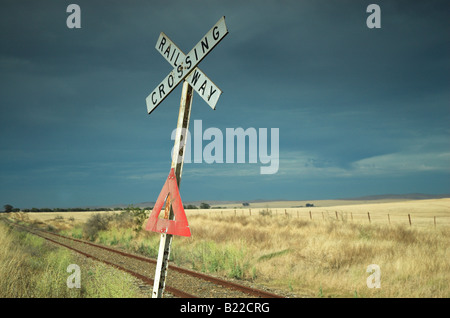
pixel 360 111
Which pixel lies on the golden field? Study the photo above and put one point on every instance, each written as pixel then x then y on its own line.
pixel 422 212
pixel 320 251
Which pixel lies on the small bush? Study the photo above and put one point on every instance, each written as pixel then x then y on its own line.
pixel 204 205
pixel 132 217
pixel 265 212
pixel 97 222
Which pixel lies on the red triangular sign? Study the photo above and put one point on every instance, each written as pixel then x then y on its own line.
pixel 179 226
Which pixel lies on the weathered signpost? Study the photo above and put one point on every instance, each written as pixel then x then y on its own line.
pixel 184 69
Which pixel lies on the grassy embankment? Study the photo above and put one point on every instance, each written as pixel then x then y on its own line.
pixel 312 258
pixel 322 257
pixel 32 268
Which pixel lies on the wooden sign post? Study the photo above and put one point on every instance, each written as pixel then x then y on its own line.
pixel 184 69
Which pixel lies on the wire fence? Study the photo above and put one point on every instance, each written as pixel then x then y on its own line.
pixel 395 218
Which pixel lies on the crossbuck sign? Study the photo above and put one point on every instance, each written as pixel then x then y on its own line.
pixel 184 68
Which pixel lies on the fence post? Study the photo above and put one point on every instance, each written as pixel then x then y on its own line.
pixel 434 222
pixel 389 219
pixel 351 214
pixel 310 215
pixel 409 218
pixel 336 215
pixel 368 215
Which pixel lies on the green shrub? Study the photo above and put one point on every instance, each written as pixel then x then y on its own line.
pixel 96 223
pixel 132 217
pixel 265 212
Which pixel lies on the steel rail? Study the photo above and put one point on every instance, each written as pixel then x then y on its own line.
pixel 148 281
pixel 212 279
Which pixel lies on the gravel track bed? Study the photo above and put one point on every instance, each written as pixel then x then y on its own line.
pixel 191 285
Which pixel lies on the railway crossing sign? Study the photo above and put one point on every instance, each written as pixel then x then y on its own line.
pixel 184 69
pixel 197 79
pixel 185 66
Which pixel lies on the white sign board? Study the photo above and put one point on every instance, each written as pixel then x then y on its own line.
pixel 197 79
pixel 187 65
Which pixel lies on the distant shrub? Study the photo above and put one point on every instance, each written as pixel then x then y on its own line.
pixel 96 223
pixel 204 206
pixel 132 216
pixel 265 212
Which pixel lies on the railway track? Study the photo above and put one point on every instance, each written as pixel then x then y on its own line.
pixel 180 282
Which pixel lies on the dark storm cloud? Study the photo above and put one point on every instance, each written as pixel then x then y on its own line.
pixel 345 97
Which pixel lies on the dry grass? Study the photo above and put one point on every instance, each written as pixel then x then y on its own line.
pixel 31 268
pixel 330 258
pixel 422 212
pixel 320 257
pixel 79 217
